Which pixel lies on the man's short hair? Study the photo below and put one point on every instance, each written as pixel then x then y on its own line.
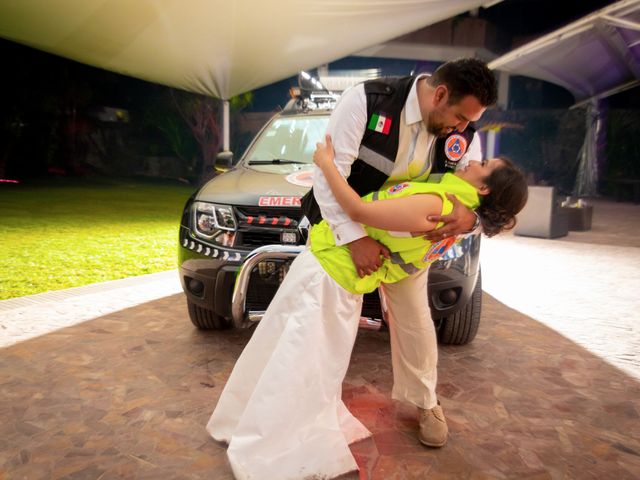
pixel 467 76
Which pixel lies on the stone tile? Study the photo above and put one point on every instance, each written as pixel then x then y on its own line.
pixel 126 395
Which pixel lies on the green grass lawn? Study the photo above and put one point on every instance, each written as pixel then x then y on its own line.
pixel 67 233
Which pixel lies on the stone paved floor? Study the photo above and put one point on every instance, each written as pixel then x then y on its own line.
pixel 579 285
pixel 127 394
pixel 28 317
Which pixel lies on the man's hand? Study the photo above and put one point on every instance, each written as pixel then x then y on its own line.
pixel 460 220
pixel 366 254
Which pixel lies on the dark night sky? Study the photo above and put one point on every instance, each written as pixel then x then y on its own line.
pixel 537 17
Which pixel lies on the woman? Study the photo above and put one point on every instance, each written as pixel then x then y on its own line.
pixel 281 410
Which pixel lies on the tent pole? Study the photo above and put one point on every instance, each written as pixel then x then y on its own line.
pixel 503 89
pixel 225 125
pixel 491 144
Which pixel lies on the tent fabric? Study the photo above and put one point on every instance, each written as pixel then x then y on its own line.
pixel 215 47
pixel 591 57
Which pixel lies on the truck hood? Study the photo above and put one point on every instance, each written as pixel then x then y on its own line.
pixel 272 185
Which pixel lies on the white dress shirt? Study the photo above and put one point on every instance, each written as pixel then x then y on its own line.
pixel 413 160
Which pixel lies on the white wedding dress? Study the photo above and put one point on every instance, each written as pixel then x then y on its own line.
pixel 281 410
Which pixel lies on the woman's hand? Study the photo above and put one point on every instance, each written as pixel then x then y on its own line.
pixel 324 154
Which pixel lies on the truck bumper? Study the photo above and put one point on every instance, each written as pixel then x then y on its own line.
pixel 231 286
pixel 241 316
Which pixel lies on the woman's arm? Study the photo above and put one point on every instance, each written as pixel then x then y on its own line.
pixel 406 214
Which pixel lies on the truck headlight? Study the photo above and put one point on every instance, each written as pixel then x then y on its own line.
pixel 210 218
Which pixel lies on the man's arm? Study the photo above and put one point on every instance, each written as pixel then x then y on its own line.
pixel 346 127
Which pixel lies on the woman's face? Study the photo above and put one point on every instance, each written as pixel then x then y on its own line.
pixel 477 171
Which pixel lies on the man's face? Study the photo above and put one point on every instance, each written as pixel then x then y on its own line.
pixel 443 118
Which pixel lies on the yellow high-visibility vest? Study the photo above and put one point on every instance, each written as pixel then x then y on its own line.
pixel 408 253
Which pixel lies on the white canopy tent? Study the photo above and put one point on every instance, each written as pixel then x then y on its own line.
pixel 594 57
pixel 215 47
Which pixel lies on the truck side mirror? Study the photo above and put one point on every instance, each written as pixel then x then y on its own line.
pixel 224 160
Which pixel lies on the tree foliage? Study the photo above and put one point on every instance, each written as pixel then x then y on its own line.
pixel 51 123
pixel 203 117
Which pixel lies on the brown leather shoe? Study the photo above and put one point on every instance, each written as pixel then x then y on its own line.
pixel 433 427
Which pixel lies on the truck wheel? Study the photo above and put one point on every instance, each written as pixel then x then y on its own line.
pixel 461 328
pixel 206 319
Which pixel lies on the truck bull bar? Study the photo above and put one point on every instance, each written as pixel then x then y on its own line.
pixel 241 317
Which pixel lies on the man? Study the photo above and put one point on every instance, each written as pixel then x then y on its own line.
pixel 390 130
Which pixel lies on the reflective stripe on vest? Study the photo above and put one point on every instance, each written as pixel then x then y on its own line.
pixel 396 259
pixel 375 160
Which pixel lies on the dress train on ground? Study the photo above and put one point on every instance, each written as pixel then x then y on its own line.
pixel 281 410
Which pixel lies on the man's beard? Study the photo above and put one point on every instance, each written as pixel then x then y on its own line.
pixel 437 128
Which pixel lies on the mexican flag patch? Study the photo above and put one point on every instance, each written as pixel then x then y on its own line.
pixel 379 123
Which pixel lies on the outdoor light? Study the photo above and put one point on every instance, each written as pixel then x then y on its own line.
pixel 210 218
pixel 225 220
pixel 289 237
pixel 448 296
pixel 195 286
pixel 266 269
pixel 226 239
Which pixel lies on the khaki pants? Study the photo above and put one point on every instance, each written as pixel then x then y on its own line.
pixel 414 345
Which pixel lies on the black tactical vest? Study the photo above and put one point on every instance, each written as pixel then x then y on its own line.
pixel 379 146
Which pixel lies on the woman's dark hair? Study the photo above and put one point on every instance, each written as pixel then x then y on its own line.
pixel 467 76
pixel 507 196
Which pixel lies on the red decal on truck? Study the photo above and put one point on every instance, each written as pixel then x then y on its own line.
pixel 279 201
pixel 303 179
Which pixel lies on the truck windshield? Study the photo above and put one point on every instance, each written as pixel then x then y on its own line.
pixel 288 140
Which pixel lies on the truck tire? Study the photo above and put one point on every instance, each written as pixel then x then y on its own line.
pixel 206 319
pixel 461 328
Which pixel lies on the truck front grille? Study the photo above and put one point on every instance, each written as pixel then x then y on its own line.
pixel 262 217
pixel 265 279
pixel 259 294
pixel 258 239
pixel 258 226
pixel 371 305
pixel 261 291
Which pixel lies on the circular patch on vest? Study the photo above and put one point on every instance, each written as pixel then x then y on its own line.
pixel 455 147
pixel 302 179
pixel 438 249
pixel 398 188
